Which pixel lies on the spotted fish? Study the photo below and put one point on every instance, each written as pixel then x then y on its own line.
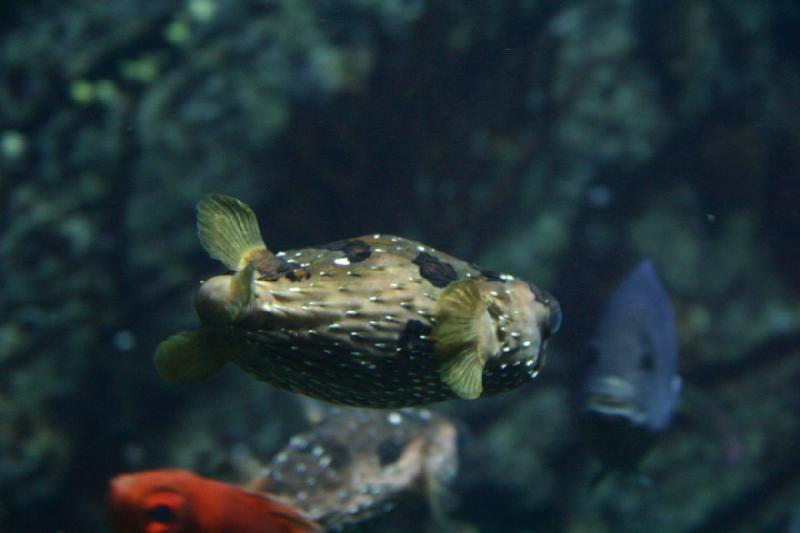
pixel 358 463
pixel 374 321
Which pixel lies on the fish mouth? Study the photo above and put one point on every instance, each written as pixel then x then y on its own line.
pixel 614 406
pixel 555 317
pixel 613 396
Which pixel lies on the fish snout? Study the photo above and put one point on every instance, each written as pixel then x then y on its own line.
pixel 614 396
pixel 547 312
pixel 119 506
pixel 117 488
pixel 554 316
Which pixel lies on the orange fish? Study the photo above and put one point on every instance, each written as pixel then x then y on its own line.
pixel 179 501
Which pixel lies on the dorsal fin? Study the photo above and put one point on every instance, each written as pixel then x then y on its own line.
pixel 228 231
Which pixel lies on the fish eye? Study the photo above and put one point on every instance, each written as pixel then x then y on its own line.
pixel 555 317
pixel 390 450
pixel 646 363
pixel 162 514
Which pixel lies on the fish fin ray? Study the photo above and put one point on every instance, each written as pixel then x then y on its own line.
pixel 462 334
pixel 228 230
pixel 192 356
pixel 242 291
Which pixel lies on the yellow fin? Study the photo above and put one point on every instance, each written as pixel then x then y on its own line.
pixel 193 356
pixel 241 290
pixel 463 336
pixel 228 230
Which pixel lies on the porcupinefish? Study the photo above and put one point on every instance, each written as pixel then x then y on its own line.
pixel 179 501
pixel 374 321
pixel 358 463
pixel 632 385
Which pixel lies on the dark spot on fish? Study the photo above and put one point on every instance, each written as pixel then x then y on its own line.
pixel 355 250
pixel 438 273
pixel 288 269
pixel 492 275
pixel 298 274
pixel 283 266
pixel 389 450
pixel 411 339
pixel 340 456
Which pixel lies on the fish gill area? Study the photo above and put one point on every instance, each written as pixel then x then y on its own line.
pixel 559 141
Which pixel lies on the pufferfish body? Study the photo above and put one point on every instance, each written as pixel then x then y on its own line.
pixel 374 321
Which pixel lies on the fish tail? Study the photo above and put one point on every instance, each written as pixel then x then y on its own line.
pixel 193 356
pixel 228 230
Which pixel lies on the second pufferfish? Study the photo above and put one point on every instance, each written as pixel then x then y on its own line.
pixel 375 321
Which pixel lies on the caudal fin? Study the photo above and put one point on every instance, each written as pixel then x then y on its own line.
pixel 193 356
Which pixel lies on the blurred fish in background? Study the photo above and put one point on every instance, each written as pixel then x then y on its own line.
pixel 632 386
pixel 353 465
pixel 179 501
pixel 358 463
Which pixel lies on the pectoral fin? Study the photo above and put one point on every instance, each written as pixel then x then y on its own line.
pixel 241 291
pixel 194 356
pixel 228 230
pixel 464 337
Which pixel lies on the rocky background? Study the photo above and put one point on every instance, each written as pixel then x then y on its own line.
pixel 559 141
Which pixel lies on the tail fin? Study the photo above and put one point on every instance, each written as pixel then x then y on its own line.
pixel 193 356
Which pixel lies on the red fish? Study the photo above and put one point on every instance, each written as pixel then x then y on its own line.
pixel 179 501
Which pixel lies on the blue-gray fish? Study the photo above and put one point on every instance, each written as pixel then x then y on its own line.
pixel 361 462
pixel 632 385
pixel 373 321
